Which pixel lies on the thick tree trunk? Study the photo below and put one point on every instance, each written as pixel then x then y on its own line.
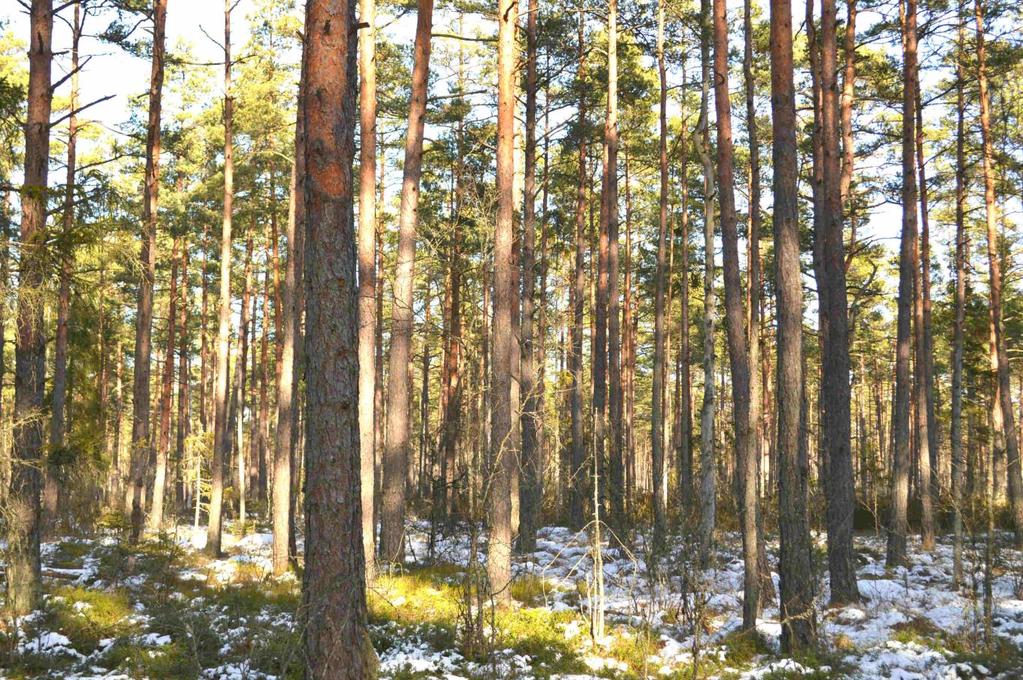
pixel 336 641
pixel 834 324
pixel 502 444
pixel 367 274
pixel 396 448
pixel 743 424
pixel 1000 353
pixel 795 569
pixel 141 437
pixel 24 587
pixel 899 499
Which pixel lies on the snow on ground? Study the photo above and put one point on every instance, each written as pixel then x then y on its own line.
pixel 167 612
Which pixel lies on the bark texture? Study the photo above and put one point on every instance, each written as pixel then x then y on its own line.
pixel 24 587
pixel 396 447
pixel 899 498
pixel 141 437
pixel 994 258
pixel 795 568
pixel 221 418
pixel 337 644
pixel 367 272
pixel 738 352
pixel 503 454
pixel 835 396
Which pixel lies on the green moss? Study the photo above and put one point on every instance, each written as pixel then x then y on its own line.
pixel 278 652
pixel 413 598
pixel 188 626
pixel 818 660
pixel 26 666
pixel 918 630
pixel 168 662
pixel 70 554
pixel 249 599
pixel 1000 656
pixel 87 616
pixel 743 647
pixel 531 590
pixel 539 633
pixel 159 559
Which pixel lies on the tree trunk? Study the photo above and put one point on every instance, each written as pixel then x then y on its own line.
pixel 451 390
pixel 743 424
pixel 141 437
pixel 961 245
pixel 629 361
pixel 184 344
pixel 424 397
pixel 546 443
pixel 577 495
pixel 367 274
pixel 848 95
pixel 684 444
pixel 258 466
pixel 1000 353
pixel 24 587
pixel 616 475
pixel 58 402
pixel 236 421
pixel 599 262
pixel 336 640
pixel 708 466
pixel 222 430
pixel 532 479
pixel 898 523
pixel 5 282
pixel 287 382
pixel 503 454
pixel 204 353
pixel 754 332
pixel 166 396
pixel 795 569
pixel 840 487
pixel 657 410
pixel 921 320
pixel 395 459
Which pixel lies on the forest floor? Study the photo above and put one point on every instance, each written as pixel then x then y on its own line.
pixel 163 610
